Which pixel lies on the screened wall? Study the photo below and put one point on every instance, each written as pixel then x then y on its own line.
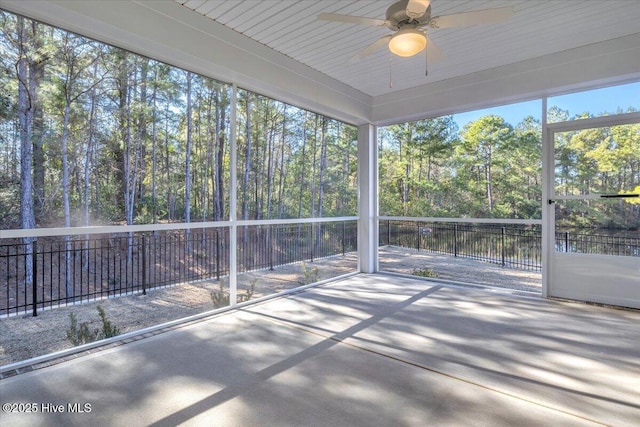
pixel 154 192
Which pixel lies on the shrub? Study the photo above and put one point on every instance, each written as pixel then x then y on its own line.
pixel 221 297
pixel 79 335
pixel 424 272
pixel 310 274
pixel 108 329
pixel 246 296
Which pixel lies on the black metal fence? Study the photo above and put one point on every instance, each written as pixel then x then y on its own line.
pixel 54 271
pixel 615 243
pixel 510 246
pixel 267 246
pixel 513 247
pixel 51 271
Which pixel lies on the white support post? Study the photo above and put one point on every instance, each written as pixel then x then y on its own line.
pixel 367 199
pixel 548 215
pixel 233 230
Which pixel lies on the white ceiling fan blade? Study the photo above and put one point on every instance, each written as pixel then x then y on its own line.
pixel 351 19
pixel 486 16
pixel 434 54
pixel 417 8
pixel 377 45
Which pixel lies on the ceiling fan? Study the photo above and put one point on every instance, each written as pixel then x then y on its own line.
pixel 406 18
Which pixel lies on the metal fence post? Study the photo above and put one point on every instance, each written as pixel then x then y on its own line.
pixel 34 281
pixel 144 264
pixel 312 241
pixel 217 254
pixel 344 233
pixel 270 243
pixel 566 241
pixel 418 242
pixel 503 248
pixel 455 240
pixel 389 232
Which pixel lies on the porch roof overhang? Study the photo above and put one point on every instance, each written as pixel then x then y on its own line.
pixel 167 31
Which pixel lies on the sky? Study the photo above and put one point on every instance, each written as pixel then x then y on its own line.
pixel 594 101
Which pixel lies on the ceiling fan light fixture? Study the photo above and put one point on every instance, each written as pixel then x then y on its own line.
pixel 407 42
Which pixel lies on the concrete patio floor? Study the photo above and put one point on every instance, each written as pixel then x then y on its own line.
pixel 370 350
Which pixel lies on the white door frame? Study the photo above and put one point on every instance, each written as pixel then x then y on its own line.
pixel 550 285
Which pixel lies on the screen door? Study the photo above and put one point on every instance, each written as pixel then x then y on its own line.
pixel 593 210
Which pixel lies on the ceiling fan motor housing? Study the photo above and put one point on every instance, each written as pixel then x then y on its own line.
pixel 397 16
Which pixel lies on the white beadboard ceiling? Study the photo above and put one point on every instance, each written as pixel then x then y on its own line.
pixel 537 28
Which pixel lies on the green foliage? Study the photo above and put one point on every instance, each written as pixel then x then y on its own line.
pixel 413 166
pixel 108 329
pixel 632 200
pixel 128 130
pixel 81 334
pixel 221 297
pixel 489 169
pixel 424 272
pixel 125 122
pixel 598 161
pixel 310 274
pixel 293 163
pixel 246 296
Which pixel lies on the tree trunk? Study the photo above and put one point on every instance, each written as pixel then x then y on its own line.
pixel 282 168
pixel 219 174
pixel 143 136
pixel 313 168
pixel 65 199
pixel 187 166
pixel 167 168
pixel 247 166
pixel 301 179
pixel 25 114
pixel 88 163
pixel 89 151
pixel 323 166
pixel 154 142
pixel 129 167
pixel 302 170
pixel 117 150
pixel 129 187
pixel 36 74
pixel 489 181
pixel 209 141
pixel 345 175
pixel 270 160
